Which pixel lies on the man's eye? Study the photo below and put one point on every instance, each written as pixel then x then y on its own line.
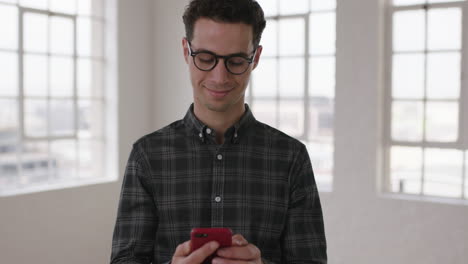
pixel 237 61
pixel 205 58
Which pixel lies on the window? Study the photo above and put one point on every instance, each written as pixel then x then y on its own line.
pixel 427 100
pixel 55 100
pixel 293 87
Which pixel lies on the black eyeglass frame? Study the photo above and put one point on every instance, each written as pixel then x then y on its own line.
pixel 217 57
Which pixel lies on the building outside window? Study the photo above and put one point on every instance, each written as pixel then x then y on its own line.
pixel 57 97
pixel 293 88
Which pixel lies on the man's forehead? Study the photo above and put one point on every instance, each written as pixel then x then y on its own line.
pixel 209 31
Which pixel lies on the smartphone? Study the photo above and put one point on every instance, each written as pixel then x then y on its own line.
pixel 201 236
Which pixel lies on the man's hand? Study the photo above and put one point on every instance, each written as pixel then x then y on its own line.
pixel 182 254
pixel 241 252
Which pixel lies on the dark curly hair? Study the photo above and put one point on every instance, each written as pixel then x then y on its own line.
pixel 232 11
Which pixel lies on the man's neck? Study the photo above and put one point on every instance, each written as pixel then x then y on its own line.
pixel 219 121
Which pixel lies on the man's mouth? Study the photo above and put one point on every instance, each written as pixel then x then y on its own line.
pixel 218 94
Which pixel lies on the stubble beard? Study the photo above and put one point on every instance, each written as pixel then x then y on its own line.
pixel 225 106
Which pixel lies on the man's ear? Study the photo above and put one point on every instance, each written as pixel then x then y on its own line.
pixel 258 53
pixel 185 49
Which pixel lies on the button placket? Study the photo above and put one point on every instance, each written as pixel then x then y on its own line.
pixel 218 189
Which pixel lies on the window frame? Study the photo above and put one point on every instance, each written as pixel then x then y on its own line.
pixel 108 100
pixel 306 96
pixel 461 143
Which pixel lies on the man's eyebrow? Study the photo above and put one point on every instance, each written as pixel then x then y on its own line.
pixel 242 54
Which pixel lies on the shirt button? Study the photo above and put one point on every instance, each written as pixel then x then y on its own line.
pixel 208 131
pixel 217 199
pixel 200 135
pixel 220 157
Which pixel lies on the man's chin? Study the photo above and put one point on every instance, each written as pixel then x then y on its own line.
pixel 218 108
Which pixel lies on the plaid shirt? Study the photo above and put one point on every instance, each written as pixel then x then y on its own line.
pixel 259 183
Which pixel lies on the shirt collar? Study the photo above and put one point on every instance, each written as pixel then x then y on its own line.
pixel 201 130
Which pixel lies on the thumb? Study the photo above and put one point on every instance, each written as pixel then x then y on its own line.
pixel 199 255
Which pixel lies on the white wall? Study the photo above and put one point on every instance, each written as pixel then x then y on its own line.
pixel 75 225
pixel 173 93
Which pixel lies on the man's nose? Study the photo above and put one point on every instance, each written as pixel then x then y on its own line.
pixel 219 73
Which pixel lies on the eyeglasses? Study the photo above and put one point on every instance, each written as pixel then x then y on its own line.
pixel 207 61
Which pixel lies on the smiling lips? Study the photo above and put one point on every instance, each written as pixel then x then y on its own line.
pixel 218 94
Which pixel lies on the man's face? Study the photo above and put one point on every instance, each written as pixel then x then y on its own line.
pixel 219 90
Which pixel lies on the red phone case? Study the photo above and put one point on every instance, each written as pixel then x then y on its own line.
pixel 201 236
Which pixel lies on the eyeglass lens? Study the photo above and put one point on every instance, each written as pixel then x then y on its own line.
pixel 206 61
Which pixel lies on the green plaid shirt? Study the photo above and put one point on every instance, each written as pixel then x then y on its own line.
pixel 259 183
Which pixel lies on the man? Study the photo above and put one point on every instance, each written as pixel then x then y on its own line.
pixel 218 166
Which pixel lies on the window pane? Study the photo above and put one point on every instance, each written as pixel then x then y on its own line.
pixel 299 7
pixel 444 29
pixel 90 119
pixel 264 79
pixel 405 169
pixel 8 142
pixel 35 118
pixel 34 163
pixel 90 36
pixel 40 4
pixel 321 156
pixel 84 7
pixel 292 77
pixel 265 111
pixel 291 41
pixel 84 36
pixel 35 32
pixel 61 76
pixel 321 119
pixel 8 120
pixel 9 16
pixel 408 76
pixel 322 33
pixel 8 74
pixel 322 77
pixel 35 75
pixel 407 121
pixel 8 168
pixel 291 117
pixel 443 172
pixel 61 35
pixel 443 75
pixel 62 117
pixel 63 6
pixel 270 7
pixel 320 5
pixel 408 31
pixel 64 157
pixel 442 121
pixel 269 39
pixel 90 78
pixel 90 159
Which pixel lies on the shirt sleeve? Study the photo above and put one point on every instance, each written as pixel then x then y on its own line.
pixel 303 239
pixel 136 224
